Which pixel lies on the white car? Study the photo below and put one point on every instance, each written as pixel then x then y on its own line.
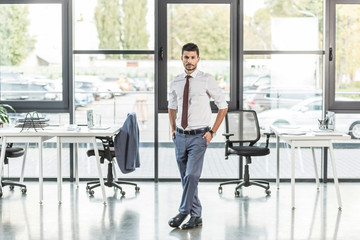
pixel 307 113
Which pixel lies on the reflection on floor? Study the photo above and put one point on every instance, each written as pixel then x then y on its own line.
pixel 144 215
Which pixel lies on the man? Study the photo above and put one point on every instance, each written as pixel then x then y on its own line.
pixel 190 120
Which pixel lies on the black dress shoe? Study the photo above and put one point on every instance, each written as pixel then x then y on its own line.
pixel 193 222
pixel 177 220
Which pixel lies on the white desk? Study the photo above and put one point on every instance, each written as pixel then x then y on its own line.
pixel 310 139
pixel 62 135
pixel 13 135
pixel 84 135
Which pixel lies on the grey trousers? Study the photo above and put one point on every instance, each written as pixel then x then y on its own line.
pixel 190 151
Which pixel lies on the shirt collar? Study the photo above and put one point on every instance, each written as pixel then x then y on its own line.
pixel 193 74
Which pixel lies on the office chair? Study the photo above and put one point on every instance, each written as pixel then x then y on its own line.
pixel 107 152
pixel 12 152
pixel 243 129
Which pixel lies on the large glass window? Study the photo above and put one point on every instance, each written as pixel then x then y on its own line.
pixel 284 88
pixel 31 55
pixel 283 71
pixel 213 42
pixel 114 71
pixel 343 55
pixel 347 72
pixel 212 26
pixel 114 25
pixel 283 25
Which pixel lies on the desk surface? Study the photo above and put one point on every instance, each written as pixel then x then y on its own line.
pixel 61 131
pixel 305 134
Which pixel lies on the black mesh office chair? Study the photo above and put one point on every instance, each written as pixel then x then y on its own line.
pixel 242 133
pixel 107 152
pixel 12 152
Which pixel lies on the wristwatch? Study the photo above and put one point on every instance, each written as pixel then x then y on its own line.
pixel 213 134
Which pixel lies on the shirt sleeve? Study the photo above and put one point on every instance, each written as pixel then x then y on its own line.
pixel 173 104
pixel 216 93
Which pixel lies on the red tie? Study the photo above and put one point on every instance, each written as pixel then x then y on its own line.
pixel 184 117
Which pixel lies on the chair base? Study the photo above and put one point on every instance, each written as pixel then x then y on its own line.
pixel 116 184
pixel 244 183
pixel 12 185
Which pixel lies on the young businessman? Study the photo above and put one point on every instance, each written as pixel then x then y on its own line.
pixel 190 116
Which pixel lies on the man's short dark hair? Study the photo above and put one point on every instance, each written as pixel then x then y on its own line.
pixel 190 47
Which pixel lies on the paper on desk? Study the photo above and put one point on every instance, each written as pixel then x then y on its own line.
pixel 293 133
pixel 286 126
pixel 327 133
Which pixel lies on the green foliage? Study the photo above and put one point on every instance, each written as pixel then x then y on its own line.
pixel 16 42
pixel 258 33
pixel 206 25
pixel 4 114
pixel 122 26
pixel 347 44
pixel 258 29
pixel 108 24
pixel 135 35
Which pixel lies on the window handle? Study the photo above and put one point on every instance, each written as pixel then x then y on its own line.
pixel 161 54
pixel 330 54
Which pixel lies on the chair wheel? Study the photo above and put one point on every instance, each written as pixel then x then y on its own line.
pixel 122 193
pixel 267 191
pixel 137 189
pixel 11 187
pixel 220 190
pixel 23 190
pixel 91 193
pixel 237 193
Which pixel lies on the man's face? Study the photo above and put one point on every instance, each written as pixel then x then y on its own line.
pixel 190 60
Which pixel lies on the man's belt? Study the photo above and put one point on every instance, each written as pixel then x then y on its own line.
pixel 193 132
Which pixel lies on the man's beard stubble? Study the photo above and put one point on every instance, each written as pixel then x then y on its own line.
pixel 188 67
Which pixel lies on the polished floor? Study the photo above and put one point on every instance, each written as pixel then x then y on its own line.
pixel 144 215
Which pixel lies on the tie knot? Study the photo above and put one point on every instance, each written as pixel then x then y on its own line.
pixel 188 77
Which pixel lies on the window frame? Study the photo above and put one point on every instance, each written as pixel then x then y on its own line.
pixel 161 52
pixel 65 105
pixel 330 102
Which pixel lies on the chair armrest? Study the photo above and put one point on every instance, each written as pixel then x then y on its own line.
pixel 268 134
pixel 107 142
pixel 227 135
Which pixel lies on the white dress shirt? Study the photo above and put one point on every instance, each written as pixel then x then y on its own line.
pixel 202 88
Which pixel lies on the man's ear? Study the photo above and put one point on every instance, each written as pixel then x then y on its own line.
pixel 182 58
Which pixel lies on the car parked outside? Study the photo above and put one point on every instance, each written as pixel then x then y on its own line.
pixel 26 91
pixel 141 83
pixel 81 98
pixel 111 85
pixel 306 114
pixel 261 81
pixel 265 98
pixel 14 86
pixel 124 84
pixel 93 85
pixel 117 85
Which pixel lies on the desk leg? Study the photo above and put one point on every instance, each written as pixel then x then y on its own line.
pixel 41 195
pixel 335 174
pixel 316 170
pixel 3 152
pixel 99 170
pixel 277 162
pixel 76 165
pixel 59 175
pixel 23 163
pixel 292 177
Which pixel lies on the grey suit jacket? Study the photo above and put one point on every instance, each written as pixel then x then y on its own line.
pixel 127 145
